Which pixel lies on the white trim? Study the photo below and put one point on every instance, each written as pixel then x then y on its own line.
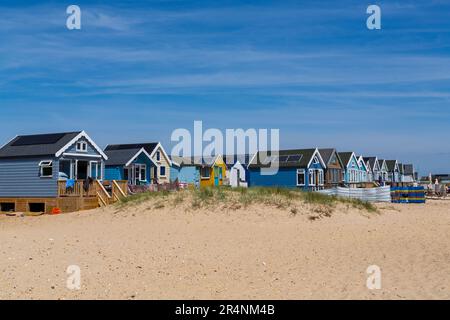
pixel 159 145
pixel 9 141
pixel 142 150
pixel 45 164
pixel 69 154
pixel 299 171
pixel 97 171
pixel 165 173
pixel 317 153
pixel 350 160
pixel 202 177
pixel 217 158
pixel 78 137
pixel 83 145
pixel 248 165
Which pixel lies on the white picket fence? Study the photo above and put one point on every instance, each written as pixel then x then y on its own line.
pixel 380 194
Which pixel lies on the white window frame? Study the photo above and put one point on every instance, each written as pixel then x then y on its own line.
pixel 45 164
pixel 165 171
pixel 136 173
pixel 312 178
pixel 321 178
pixel 209 173
pixel 301 171
pixel 81 146
pixel 97 171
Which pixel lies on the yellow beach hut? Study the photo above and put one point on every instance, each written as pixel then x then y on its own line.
pixel 213 172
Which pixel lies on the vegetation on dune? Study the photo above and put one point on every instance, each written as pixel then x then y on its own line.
pixel 236 198
pixel 142 197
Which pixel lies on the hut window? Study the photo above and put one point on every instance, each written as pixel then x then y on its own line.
pixel 143 172
pixel 158 156
pixel 320 177
pixel 94 170
pixel 82 146
pixel 312 177
pixel 46 169
pixel 316 160
pixel 204 172
pixel 300 177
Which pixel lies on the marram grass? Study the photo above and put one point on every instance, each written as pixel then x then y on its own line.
pixel 278 197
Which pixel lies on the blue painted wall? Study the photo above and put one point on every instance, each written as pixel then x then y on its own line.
pixel 185 174
pixel 285 177
pixel 114 173
pixel 117 172
pixel 90 149
pixel 20 178
pixel 143 159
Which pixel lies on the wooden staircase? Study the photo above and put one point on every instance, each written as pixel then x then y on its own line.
pixel 116 191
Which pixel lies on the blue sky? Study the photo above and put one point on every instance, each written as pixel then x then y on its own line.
pixel 140 69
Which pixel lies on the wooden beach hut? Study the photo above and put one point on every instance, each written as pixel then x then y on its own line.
pixel 334 171
pixel 298 168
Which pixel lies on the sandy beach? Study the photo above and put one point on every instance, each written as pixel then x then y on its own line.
pixel 152 250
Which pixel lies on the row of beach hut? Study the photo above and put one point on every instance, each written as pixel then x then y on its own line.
pixel 69 170
pixel 308 169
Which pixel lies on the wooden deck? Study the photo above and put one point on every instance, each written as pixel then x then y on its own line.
pixel 78 197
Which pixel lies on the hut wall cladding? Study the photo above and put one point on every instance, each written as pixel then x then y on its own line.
pixel 21 178
pixel 90 149
pixel 114 172
pixel 190 174
pixel 285 177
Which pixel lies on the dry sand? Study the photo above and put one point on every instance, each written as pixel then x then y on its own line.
pixel 153 252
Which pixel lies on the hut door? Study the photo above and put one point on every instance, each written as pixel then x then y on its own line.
pixel 216 176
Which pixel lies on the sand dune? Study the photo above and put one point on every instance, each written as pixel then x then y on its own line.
pixel 159 251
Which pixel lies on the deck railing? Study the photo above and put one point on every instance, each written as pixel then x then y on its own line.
pixel 79 189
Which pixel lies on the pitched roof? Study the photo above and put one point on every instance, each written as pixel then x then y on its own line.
pixel 297 158
pixel 401 168
pixel 371 161
pixel 327 153
pixel 231 159
pixel 408 169
pixel 120 157
pixel 345 157
pixel 37 145
pixel 149 146
pixel 197 161
pixel 391 165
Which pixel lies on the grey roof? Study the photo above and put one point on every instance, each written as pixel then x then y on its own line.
pixel 391 165
pixel 408 169
pixel 231 159
pixel 327 153
pixel 197 161
pixel 37 145
pixel 400 167
pixel 371 161
pixel 120 157
pixel 262 158
pixel 345 157
pixel 148 146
